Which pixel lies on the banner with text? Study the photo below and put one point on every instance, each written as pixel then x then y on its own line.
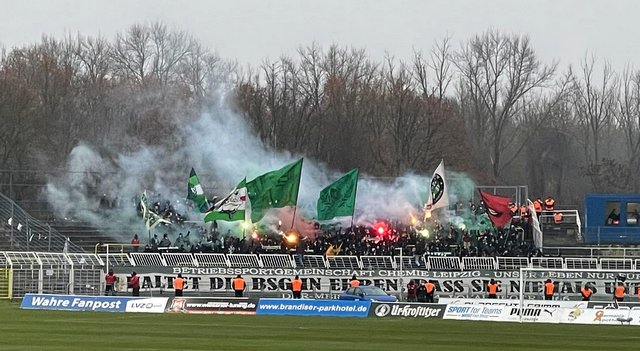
pixel 328 283
pixel 212 305
pixel 406 310
pixel 93 303
pixel 515 303
pixel 618 316
pixel 300 307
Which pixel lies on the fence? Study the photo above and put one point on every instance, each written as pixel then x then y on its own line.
pixel 23 232
pixel 54 273
pixel 5 283
pixel 80 273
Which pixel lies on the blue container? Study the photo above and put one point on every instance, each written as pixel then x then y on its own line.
pixel 612 219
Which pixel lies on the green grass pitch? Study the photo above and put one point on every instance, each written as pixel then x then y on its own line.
pixel 57 330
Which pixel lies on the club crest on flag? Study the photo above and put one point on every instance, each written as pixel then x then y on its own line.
pixel 233 203
pixel 437 187
pixel 437 196
pixel 233 207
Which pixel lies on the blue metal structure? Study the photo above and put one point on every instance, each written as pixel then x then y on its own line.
pixel 612 219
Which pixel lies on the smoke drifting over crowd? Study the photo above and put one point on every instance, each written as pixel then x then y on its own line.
pixel 223 150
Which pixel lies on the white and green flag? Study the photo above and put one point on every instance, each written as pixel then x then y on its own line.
pixel 234 207
pixel 195 192
pixel 438 194
pixel 151 219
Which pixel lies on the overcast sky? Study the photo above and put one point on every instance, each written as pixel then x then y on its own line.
pixel 251 30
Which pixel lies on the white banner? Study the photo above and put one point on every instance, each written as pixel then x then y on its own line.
pixel 531 314
pixel 147 305
pixel 474 312
pixel 515 303
pixel 550 314
pixel 601 316
pixel 502 313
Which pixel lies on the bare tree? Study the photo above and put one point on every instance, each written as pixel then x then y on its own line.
pixel 414 122
pixel 628 119
pixel 18 113
pixel 439 65
pixel 595 106
pixel 95 57
pixel 497 71
pixel 133 54
pixel 203 71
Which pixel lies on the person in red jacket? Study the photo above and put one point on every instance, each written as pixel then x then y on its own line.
pixel 135 243
pixel 134 282
pixel 412 291
pixel 110 283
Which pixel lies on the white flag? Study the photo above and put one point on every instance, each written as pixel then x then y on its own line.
pixel 535 225
pixel 438 195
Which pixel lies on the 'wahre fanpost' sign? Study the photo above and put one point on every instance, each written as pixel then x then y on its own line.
pixel 322 283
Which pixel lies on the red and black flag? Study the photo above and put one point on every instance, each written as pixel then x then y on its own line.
pixel 497 208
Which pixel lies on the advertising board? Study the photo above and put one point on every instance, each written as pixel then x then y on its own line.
pixel 515 303
pixel 300 307
pixel 406 310
pixel 146 305
pixel 612 316
pixel 474 312
pixel 212 305
pixel 93 303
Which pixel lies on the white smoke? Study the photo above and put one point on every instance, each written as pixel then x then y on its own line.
pixel 223 149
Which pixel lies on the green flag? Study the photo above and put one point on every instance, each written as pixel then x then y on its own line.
pixel 233 207
pixel 195 192
pixel 274 189
pixel 339 198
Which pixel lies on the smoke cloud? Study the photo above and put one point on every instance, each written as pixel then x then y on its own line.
pixel 223 149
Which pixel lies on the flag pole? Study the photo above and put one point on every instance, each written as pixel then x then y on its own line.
pixel 295 208
pixel 355 195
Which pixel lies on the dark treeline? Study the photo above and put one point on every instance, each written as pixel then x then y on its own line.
pixel 487 105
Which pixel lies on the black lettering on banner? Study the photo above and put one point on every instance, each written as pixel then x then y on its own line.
pixel 273 282
pixel 335 284
pixel 526 312
pixel 514 286
pixel 216 283
pixel 406 310
pixel 312 284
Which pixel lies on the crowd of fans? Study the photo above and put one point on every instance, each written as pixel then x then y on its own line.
pixel 432 237
pixel 174 213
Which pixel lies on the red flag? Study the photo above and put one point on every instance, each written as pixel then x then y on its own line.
pixel 497 208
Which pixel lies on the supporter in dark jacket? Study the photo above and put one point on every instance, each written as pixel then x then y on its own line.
pixel 412 291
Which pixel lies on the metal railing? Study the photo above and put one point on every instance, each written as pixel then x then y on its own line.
pixel 19 258
pixel 593 251
pixel 42 272
pixel 23 232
